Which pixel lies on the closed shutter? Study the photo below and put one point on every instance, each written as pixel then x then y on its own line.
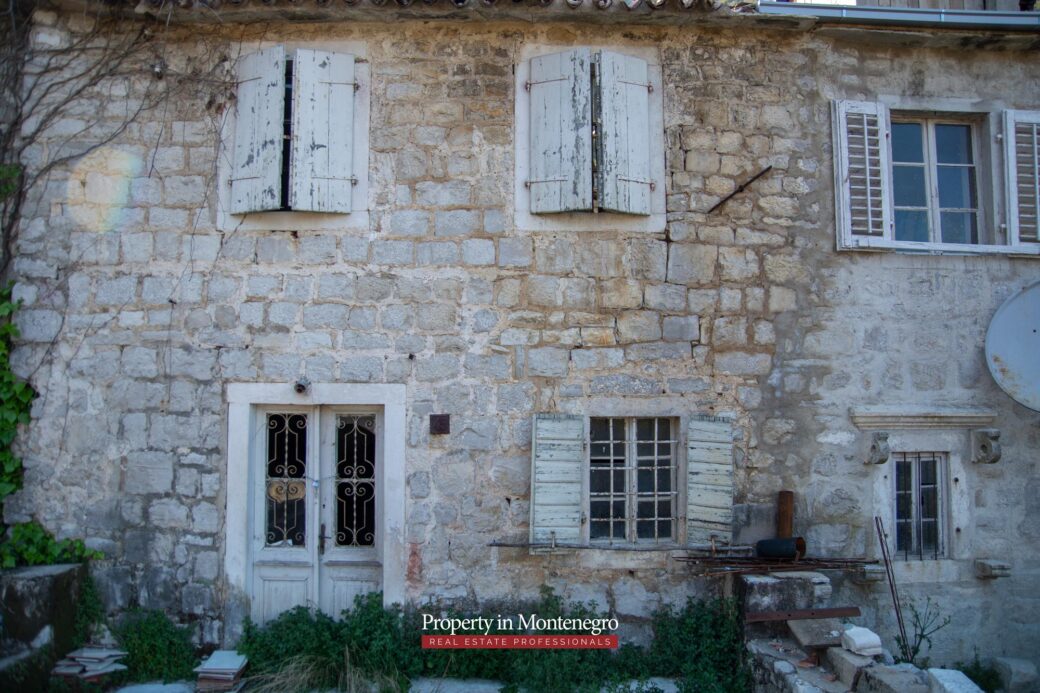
pixel 1022 158
pixel 863 172
pixel 623 95
pixel 557 460
pixel 322 172
pixel 709 481
pixel 560 176
pixel 257 156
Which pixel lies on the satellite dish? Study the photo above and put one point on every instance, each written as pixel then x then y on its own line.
pixel 1013 346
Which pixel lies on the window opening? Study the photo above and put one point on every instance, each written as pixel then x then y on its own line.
pixel 918 504
pixel 355 480
pixel 287 135
pixel 286 485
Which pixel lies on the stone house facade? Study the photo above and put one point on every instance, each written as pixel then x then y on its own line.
pixel 239 346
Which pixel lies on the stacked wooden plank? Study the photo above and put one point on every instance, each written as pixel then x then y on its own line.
pixel 90 663
pixel 221 671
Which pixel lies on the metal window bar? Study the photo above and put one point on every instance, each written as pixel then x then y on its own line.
pixel 919 504
pixel 632 489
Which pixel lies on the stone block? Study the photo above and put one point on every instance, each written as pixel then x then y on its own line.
pixel 149 472
pixel 767 593
pixel 548 361
pixel 457 222
pixel 892 679
pixel 478 251
pixel 692 263
pixel 514 252
pixel 1017 675
pixel 743 363
pixel 846 664
pixel 168 513
pixel 684 328
pixel 950 681
pixel 639 326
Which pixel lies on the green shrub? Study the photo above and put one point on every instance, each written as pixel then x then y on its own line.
pixel 89 612
pixel 31 544
pixel 156 647
pixel 985 677
pixel 371 646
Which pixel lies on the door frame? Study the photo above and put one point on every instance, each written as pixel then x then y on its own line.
pixel 245 401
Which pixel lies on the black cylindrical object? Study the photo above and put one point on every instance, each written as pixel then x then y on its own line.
pixel 791 547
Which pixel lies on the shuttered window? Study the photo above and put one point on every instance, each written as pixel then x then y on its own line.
pixel 610 481
pixel 915 180
pixel 1022 157
pixel 590 143
pixel 317 120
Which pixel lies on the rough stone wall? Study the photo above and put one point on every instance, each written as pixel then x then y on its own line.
pixel 138 311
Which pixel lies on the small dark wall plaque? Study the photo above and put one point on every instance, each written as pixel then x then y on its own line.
pixel 440 424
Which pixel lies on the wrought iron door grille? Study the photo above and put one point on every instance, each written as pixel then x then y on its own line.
pixel 355 480
pixel 286 485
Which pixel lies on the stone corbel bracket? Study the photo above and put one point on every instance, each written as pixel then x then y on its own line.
pixel 985 446
pixel 986 569
pixel 879 449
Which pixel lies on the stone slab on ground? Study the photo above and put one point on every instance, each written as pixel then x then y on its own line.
pixel 817 632
pixel 901 678
pixel 950 681
pixel 775 664
pixel 845 664
pixel 1017 675
pixel 159 687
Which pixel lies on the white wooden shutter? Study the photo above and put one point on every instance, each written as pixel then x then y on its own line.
pixel 1022 161
pixel 557 461
pixel 623 95
pixel 560 175
pixel 709 481
pixel 256 172
pixel 321 172
pixel 863 172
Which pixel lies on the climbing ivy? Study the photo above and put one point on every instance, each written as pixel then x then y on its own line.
pixel 16 398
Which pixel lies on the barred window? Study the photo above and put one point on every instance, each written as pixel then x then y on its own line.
pixel 632 485
pixel 919 504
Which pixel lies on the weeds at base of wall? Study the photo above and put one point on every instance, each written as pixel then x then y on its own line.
pixel 372 648
pixel 984 676
pixel 156 647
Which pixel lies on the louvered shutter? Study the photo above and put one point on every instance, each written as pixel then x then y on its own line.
pixel 1022 159
pixel 257 157
pixel 560 175
pixel 623 94
pixel 322 165
pixel 863 172
pixel 709 481
pixel 557 461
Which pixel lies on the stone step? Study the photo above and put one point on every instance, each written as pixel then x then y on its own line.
pixel 901 678
pixel 846 664
pixel 816 633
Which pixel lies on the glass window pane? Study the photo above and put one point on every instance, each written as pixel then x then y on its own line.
pixel 664 508
pixel 599 429
pixel 599 482
pixel 903 479
pixel 644 429
pixel 911 226
pixel 645 453
pixel 928 477
pixel 599 450
pixel 929 537
pixel 907 142
pixel 664 529
pixel 619 481
pixel 956 187
pixel 645 529
pixel 618 508
pixel 904 537
pixel 929 503
pixel 959 227
pixel 953 144
pixel 619 529
pixel 664 480
pixel 646 509
pixel 645 481
pixel 908 186
pixel 599 530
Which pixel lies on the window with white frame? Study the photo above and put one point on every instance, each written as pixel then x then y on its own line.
pixel 936 181
pixel 589 137
pixel 617 481
pixel 296 144
pixel 919 501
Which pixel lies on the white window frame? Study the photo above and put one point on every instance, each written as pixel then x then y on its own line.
pixel 249 400
pixel 989 136
pixel 678 472
pixel 291 220
pixel 587 221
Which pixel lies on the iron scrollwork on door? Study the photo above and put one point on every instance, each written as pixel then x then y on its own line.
pixel 286 488
pixel 355 480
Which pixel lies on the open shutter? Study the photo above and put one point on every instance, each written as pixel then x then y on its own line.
pixel 557 460
pixel 560 176
pixel 709 481
pixel 322 171
pixel 1022 159
pixel 862 172
pixel 623 95
pixel 257 157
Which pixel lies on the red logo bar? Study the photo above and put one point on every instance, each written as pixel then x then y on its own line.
pixel 519 642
